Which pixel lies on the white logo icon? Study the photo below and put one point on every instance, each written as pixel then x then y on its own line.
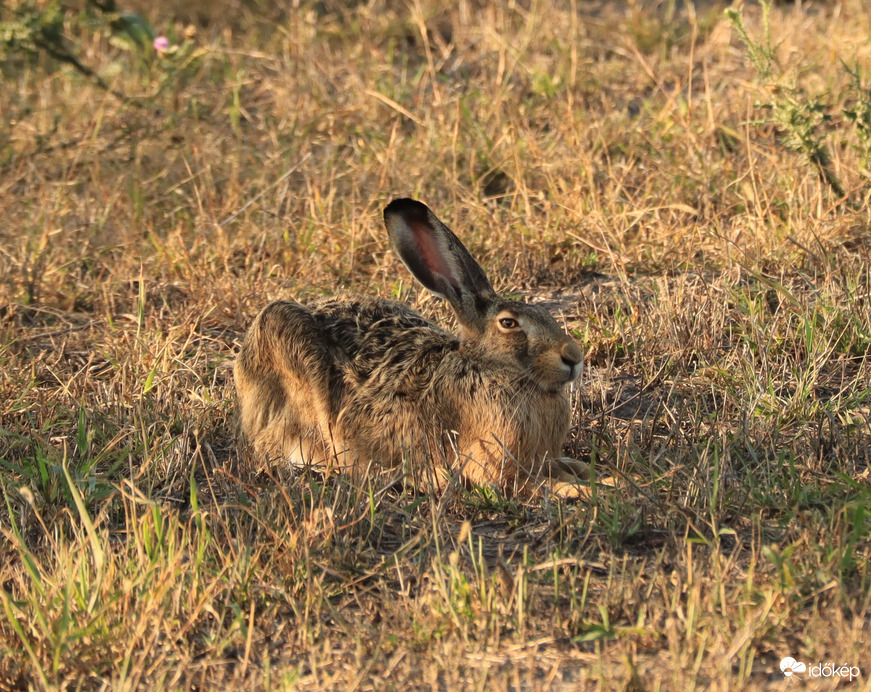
pixel 790 666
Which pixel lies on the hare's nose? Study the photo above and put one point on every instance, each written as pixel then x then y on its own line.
pixel 570 354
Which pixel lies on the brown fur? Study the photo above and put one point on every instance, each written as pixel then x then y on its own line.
pixel 368 382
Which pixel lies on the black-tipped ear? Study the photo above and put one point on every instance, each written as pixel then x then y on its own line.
pixel 437 258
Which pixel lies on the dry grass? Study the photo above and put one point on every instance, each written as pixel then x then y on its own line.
pixel 597 156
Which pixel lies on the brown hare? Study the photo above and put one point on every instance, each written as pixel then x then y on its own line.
pixel 369 384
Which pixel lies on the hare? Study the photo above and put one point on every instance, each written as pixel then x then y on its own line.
pixel 368 383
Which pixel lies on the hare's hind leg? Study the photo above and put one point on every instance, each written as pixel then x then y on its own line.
pixel 288 387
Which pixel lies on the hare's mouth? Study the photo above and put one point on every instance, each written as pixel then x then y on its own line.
pixel 569 373
pixel 572 372
pixel 556 373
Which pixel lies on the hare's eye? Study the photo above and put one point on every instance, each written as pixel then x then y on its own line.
pixel 508 323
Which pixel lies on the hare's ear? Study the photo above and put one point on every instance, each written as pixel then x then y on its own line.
pixel 437 258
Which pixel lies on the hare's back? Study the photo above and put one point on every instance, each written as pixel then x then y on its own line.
pixel 364 311
pixel 350 324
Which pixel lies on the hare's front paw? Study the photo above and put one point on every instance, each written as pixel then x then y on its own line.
pixel 570 470
pixel 568 478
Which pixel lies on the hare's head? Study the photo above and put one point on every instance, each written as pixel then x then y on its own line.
pixel 497 332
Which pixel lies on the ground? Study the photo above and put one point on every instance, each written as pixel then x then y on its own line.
pixel 618 162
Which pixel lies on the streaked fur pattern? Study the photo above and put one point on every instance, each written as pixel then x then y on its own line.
pixel 369 382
